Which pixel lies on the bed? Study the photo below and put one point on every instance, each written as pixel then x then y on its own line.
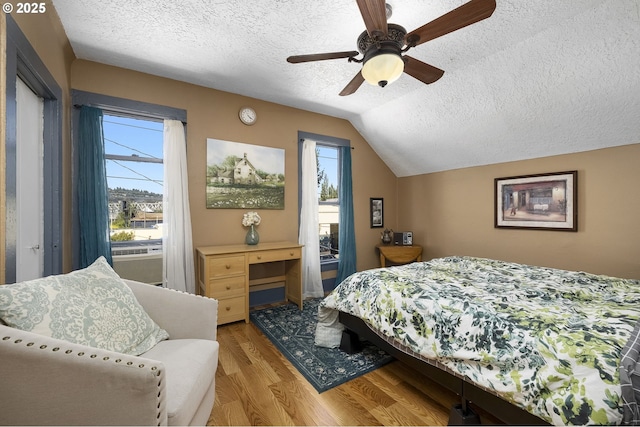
pixel 555 346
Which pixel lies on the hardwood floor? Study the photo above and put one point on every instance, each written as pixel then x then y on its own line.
pixel 257 385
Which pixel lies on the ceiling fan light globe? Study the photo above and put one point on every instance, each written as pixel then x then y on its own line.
pixel 386 67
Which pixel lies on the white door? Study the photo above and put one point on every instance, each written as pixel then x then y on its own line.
pixel 29 185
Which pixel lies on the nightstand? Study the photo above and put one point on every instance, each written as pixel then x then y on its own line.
pixel 399 254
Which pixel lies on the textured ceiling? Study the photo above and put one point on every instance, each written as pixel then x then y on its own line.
pixel 537 78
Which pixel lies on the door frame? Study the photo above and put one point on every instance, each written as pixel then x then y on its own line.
pixel 23 62
pixel 29 184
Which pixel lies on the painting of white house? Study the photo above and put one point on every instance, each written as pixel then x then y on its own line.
pixel 244 176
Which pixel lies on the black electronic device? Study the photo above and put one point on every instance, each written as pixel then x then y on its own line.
pixel 404 238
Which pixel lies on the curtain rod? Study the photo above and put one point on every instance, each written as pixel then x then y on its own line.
pixel 125 112
pixel 350 146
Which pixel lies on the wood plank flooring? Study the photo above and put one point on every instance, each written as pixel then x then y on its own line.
pixel 257 385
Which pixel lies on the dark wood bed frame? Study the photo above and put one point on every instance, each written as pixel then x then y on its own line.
pixel 461 414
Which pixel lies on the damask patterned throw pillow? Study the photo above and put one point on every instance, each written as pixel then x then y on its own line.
pixel 92 306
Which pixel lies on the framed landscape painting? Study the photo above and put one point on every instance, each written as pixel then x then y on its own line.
pixel 547 201
pixel 244 176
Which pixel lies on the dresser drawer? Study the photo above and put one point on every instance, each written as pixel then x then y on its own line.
pixel 226 287
pixel 274 255
pixel 231 309
pixel 226 266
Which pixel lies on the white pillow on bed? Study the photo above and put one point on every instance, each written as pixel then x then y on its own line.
pixel 92 307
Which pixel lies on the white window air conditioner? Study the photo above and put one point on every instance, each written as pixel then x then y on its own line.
pixel 141 263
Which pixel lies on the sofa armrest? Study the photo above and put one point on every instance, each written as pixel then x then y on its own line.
pixel 48 381
pixel 181 314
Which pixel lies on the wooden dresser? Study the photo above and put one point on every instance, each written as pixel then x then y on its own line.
pixel 224 273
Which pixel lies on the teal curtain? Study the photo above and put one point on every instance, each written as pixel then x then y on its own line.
pixel 347 233
pixel 93 198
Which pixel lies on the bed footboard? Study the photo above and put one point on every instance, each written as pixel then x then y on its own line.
pixel 460 414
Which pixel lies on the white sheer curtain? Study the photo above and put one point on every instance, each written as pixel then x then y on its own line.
pixel 311 278
pixel 177 241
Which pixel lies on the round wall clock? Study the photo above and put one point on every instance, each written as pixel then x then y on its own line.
pixel 247 115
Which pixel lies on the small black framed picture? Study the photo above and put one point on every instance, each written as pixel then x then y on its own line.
pixel 377 212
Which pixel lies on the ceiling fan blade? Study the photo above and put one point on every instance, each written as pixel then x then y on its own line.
pixel 353 85
pixel 374 14
pixel 424 72
pixel 467 14
pixel 296 59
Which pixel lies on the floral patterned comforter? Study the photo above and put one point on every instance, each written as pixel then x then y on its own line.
pixel 544 339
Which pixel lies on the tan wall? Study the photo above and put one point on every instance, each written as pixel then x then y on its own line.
pixel 47 37
pixel 452 213
pixel 214 114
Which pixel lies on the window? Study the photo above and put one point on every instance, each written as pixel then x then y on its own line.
pixel 328 162
pixel 134 139
pixel 328 202
pixel 133 152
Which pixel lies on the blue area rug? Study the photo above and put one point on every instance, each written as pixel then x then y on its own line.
pixel 292 331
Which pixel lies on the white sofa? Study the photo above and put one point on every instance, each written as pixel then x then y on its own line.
pixel 47 381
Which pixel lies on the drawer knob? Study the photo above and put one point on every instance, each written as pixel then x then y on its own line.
pixel 228 308
pixel 228 287
pixel 228 266
pixel 259 256
pixel 291 253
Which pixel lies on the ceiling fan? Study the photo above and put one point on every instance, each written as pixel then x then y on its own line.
pixel 383 45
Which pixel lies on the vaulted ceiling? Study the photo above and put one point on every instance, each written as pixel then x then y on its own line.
pixel 537 78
